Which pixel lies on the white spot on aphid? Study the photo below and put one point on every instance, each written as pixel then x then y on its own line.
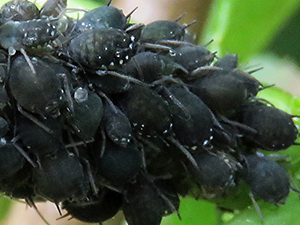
pixel 194 148
pixel 81 95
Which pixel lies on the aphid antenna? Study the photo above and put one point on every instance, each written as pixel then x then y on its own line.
pixel 22 50
pixel 188 25
pixel 184 151
pixel 23 153
pixel 34 120
pixel 31 203
pixel 91 177
pixel 255 70
pixel 129 14
pixel 257 208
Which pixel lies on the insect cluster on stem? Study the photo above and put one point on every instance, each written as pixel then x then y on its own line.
pixel 100 114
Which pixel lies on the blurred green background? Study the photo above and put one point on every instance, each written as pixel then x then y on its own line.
pixel 264 33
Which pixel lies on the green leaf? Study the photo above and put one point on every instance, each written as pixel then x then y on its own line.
pixel 193 212
pixel 5 204
pixel 246 27
pixel 283 215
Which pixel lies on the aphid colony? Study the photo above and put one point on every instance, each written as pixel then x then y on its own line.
pixel 100 115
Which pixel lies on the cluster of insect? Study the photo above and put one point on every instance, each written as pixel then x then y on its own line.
pixel 99 115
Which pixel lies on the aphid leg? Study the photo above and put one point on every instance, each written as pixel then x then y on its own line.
pixel 166 78
pixel 174 43
pixel 203 71
pixel 22 50
pixel 169 95
pixel 34 120
pixel 90 176
pixel 149 144
pixel 157 47
pixel 67 91
pixel 63 216
pixel 23 153
pixel 31 203
pixel 103 146
pixel 257 208
pixel 111 104
pixel 184 151
pixel 122 76
pixel 142 152
pixel 239 125
pixel 72 145
pixel 58 208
